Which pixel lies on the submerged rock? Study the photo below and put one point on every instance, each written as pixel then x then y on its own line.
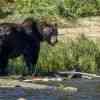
pixel 71 89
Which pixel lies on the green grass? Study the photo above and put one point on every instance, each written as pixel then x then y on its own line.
pixel 41 8
pixel 66 8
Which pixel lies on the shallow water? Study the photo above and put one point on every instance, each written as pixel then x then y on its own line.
pixel 87 90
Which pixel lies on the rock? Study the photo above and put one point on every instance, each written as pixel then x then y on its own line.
pixel 70 89
pixel 87 77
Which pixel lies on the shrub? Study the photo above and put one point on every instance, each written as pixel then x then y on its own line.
pixel 84 51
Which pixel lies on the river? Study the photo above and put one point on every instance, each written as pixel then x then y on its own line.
pixel 87 90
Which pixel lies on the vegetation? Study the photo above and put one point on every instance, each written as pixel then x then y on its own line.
pixel 65 8
pixel 54 8
pixel 79 8
pixel 83 53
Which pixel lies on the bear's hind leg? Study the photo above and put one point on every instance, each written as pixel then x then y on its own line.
pixel 3 66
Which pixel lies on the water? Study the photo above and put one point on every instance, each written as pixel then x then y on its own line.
pixel 87 90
